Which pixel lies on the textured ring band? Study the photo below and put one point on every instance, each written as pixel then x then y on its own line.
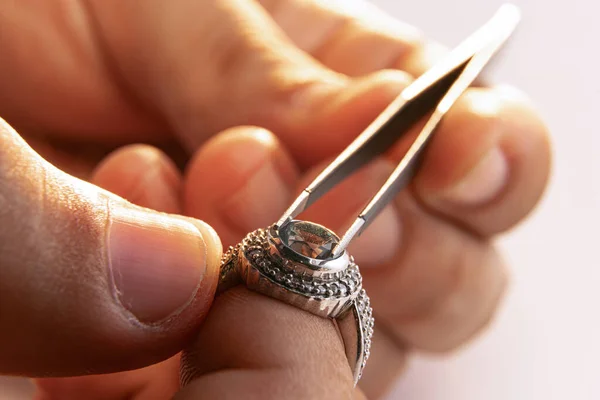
pixel 294 264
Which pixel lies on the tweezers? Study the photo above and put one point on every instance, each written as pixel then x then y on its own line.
pixel 433 93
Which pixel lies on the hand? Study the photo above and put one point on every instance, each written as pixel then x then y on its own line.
pixel 75 93
pixel 310 99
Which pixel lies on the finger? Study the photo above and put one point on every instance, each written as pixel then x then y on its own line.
pixel 90 283
pixel 338 117
pixel 142 175
pixel 443 287
pixel 255 347
pixel 355 37
pixel 208 56
pixel 230 55
pixel 146 177
pixel 251 188
pixel 489 163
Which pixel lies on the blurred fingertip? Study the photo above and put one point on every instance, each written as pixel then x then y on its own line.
pixel 517 106
pixel 238 149
pixel 131 158
pixel 143 175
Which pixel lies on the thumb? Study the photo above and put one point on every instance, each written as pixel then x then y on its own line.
pixel 90 283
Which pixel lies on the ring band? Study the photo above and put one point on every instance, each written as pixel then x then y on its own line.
pixel 277 262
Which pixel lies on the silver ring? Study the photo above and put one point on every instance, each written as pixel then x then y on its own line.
pixel 293 264
pixel 305 264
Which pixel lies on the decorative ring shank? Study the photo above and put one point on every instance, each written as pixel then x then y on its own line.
pixel 337 295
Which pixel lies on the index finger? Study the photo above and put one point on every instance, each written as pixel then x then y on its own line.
pixel 255 347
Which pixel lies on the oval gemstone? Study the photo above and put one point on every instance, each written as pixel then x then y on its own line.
pixel 308 239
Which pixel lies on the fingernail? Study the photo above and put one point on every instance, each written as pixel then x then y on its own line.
pixel 156 262
pixel 483 182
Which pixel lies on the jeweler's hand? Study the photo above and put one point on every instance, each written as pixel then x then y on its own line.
pixel 80 79
pixel 100 75
pixel 87 279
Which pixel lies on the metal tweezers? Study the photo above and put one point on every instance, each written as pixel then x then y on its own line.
pixel 432 93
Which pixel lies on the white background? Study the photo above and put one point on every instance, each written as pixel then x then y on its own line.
pixel 546 342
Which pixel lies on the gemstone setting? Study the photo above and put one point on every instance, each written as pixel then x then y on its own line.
pixel 309 239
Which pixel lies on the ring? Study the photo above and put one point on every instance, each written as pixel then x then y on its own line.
pixel 295 264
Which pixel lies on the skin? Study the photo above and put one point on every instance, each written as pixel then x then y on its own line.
pixel 192 81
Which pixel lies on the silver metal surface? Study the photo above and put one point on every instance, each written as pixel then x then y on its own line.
pixel 307 265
